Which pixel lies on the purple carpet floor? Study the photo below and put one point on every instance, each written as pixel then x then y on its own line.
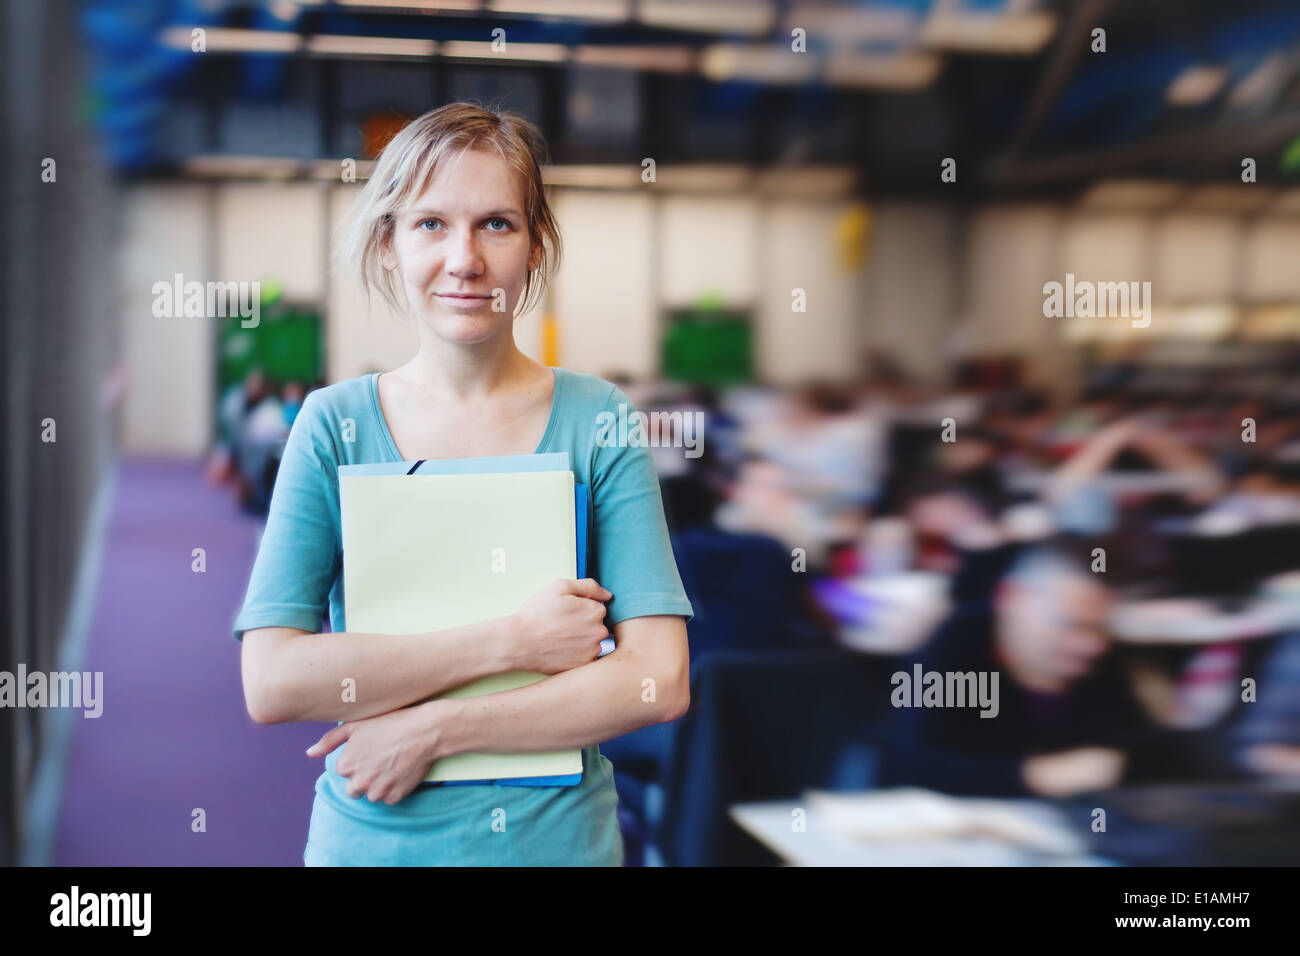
pixel 174 736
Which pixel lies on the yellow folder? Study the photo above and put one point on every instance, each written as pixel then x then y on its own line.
pixel 424 553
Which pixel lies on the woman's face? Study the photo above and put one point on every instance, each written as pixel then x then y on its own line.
pixel 466 233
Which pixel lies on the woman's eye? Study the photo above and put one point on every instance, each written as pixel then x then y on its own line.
pixel 501 225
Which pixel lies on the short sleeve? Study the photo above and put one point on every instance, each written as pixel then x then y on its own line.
pixel 300 553
pixel 633 553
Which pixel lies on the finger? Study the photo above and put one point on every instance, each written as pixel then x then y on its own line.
pixel 589 609
pixel 323 746
pixel 398 793
pixel 331 739
pixel 589 588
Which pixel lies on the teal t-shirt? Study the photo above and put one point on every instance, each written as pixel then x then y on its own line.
pixel 298 573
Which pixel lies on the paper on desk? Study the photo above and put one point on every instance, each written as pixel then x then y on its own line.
pixel 427 552
pixel 915 814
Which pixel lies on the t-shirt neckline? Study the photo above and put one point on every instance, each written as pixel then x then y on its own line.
pixel 392 444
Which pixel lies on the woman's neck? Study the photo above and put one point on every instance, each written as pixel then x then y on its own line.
pixel 467 373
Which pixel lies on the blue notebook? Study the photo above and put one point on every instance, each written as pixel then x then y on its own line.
pixel 558 461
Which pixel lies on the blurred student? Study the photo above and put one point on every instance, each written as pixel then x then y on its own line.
pixel 761 500
pixel 259 441
pixel 1143 437
pixel 293 394
pixel 1267 738
pixel 956 527
pixel 1060 712
pixel 237 403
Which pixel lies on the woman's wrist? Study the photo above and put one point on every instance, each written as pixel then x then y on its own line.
pixel 509 649
pixel 441 722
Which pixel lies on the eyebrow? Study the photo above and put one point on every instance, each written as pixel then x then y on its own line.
pixel 486 215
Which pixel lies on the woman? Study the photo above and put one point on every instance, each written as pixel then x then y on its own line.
pixel 454 229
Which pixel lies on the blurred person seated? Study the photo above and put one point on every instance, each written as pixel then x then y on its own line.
pixel 1098 407
pixel 1275 425
pixel 1146 439
pixel 1021 421
pixel 293 394
pixel 1063 711
pixel 739 580
pixel 1261 494
pixel 956 531
pixel 1267 737
pixel 261 439
pixel 254 424
pixel 761 500
pixel 745 597
pixel 837 448
pixel 830 447
pixel 239 401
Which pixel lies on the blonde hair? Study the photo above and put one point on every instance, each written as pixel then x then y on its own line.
pixel 407 164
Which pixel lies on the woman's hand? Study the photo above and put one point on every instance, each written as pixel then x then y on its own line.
pixel 388 755
pixel 559 627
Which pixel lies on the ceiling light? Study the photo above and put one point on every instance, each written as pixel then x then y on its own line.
pixel 655 59
pixel 1244 198
pixel 852 25
pixel 483 50
pixel 1019 33
pixel 707 178
pixel 899 71
pixel 752 17
pixel 324 44
pixel 610 11
pixel 806 182
pixel 1261 82
pixel 768 64
pixel 242 167
pixel 232 40
pixel 1196 85
pixel 593 177
pixel 426 6
pixel 1131 195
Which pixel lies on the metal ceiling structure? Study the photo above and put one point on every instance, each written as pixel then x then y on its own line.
pixel 1016 90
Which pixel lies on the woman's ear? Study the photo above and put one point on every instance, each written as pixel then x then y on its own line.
pixel 386 255
pixel 535 257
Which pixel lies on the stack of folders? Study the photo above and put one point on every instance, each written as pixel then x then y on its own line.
pixel 436 544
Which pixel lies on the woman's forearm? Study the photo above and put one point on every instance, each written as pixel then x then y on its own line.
pixel 350 676
pixel 577 708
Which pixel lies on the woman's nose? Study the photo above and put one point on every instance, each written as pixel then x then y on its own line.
pixel 463 257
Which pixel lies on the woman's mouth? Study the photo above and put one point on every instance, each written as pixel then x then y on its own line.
pixel 466 300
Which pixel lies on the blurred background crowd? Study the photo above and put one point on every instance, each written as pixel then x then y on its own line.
pixel 908 466
pixel 1129 562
